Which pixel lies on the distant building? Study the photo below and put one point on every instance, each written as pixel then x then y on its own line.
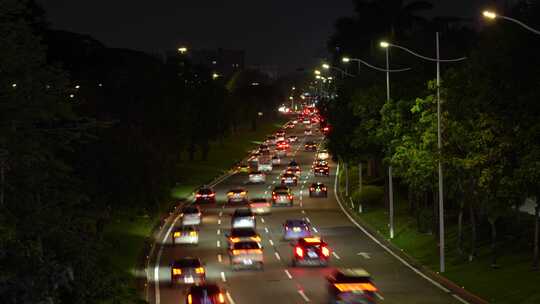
pixel 223 62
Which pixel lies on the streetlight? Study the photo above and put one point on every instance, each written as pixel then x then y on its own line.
pixel 215 76
pixel 317 72
pixel 182 50
pixel 438 60
pixel 328 67
pixel 360 62
pixel 493 15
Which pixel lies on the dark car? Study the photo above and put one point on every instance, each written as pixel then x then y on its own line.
pixel 351 286
pixel 311 251
pixel 318 189
pixel 310 146
pixel 319 170
pixel 282 195
pixel 205 195
pixel 187 270
pixel 205 294
pixel 289 179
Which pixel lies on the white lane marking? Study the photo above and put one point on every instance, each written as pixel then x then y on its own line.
pixel 271 242
pixel 303 295
pixel 219 258
pixel 262 220
pixel 220 213
pixel 218 232
pixel 379 296
pixel 301 191
pixel 459 299
pixel 277 256
pixel 315 229
pixel 288 274
pixel 266 230
pixel 218 243
pixel 365 255
pixel 223 278
pixel 308 220
pixel 381 244
pixel 231 301
pixel 219 222
pixel 265 192
pixel 303 212
pixel 335 255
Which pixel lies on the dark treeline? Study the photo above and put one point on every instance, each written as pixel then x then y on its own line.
pixel 490 111
pixel 87 131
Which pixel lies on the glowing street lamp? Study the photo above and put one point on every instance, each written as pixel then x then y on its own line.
pixel 493 15
pixel 346 59
pixel 317 72
pixel 326 66
pixel 182 50
pixel 215 76
pixel 384 44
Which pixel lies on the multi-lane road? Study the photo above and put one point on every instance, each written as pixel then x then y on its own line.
pixel 279 282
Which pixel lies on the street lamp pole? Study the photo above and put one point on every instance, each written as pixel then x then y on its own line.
pixel 492 15
pixel 438 60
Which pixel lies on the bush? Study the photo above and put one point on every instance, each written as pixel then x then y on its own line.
pixel 371 195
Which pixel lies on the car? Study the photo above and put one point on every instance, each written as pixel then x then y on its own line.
pixel 265 165
pixel 323 154
pixel 242 235
pixel 206 293
pixel 253 164
pixel 282 145
pixel 246 254
pixel 205 194
pixel 310 146
pixel 282 195
pixel 318 189
pixel 190 215
pixel 256 177
pixel 280 133
pixel 260 206
pixel 310 251
pixel 295 229
pixel 293 170
pixel 306 121
pixel 185 235
pixel 270 140
pixel 237 195
pixel 187 270
pixel 320 162
pixel 243 218
pixel 292 138
pixel 319 170
pixel 351 286
pixel 289 179
pixel 308 132
pixel 326 130
pixel 276 160
pixel 293 165
pixel 242 168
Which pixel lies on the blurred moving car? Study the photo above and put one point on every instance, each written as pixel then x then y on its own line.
pixel 292 138
pixel 310 146
pixel 276 160
pixel 295 229
pixel 191 215
pixel 308 132
pixel 319 170
pixel 206 293
pixel 310 251
pixel 270 140
pixel 265 165
pixel 289 179
pixel 237 195
pixel 185 235
pixel 205 194
pixel 187 270
pixel 282 195
pixel 323 154
pixel 246 254
pixel 257 177
pixel 243 218
pixel 242 235
pixel 318 190
pixel 260 206
pixel 351 286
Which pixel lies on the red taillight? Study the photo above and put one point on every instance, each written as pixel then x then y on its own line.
pixel 311 189
pixel 198 195
pixel 299 252
pixel 324 188
pixel 212 194
pixel 290 197
pixel 325 251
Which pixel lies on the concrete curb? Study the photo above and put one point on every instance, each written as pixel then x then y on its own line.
pixel 457 292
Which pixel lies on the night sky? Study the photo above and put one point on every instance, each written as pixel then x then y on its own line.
pixel 284 34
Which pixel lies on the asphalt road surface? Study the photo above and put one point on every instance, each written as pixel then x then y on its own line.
pixel 279 282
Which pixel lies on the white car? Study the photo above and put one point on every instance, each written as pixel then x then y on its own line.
pixel 243 218
pixel 260 206
pixel 293 138
pixel 323 154
pixel 276 160
pixel 308 132
pixel 246 254
pixel 191 215
pixel 185 235
pixel 265 166
pixel 257 177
